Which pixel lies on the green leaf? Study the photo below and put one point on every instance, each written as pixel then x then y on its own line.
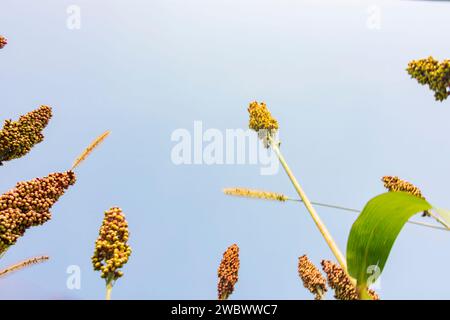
pixel 374 232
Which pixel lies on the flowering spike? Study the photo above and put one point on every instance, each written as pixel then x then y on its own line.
pixel 111 249
pixel 17 138
pixel 3 42
pixel 258 194
pixel 395 184
pixel 29 204
pixel 432 73
pixel 340 282
pixel 228 272
pixel 311 277
pixel 262 122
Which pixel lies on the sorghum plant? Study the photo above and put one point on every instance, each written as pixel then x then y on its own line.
pixel 18 137
pixel 29 204
pixel 433 73
pixel 311 277
pixel 228 272
pixel 343 286
pixel 383 216
pixel 3 42
pixel 111 249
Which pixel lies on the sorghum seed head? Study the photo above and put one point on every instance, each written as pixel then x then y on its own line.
pixel 249 193
pixel 340 282
pixel 228 272
pixel 262 122
pixel 311 277
pixel 18 137
pixel 395 184
pixel 29 204
pixel 3 42
pixel 111 249
pixel 433 73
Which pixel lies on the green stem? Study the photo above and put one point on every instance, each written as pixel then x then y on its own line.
pixel 320 225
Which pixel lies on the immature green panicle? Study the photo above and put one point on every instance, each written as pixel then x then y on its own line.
pixel 18 137
pixel 311 277
pixel 29 204
pixel 228 272
pixel 340 282
pixel 111 249
pixel 3 42
pixel 433 73
pixel 262 122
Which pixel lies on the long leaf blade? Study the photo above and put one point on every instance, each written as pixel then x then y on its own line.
pixel 374 232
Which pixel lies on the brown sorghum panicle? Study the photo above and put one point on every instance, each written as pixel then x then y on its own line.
pixel 395 184
pixel 3 42
pixel 311 277
pixel 29 203
pixel 228 272
pixel 433 73
pixel 339 281
pixel 18 137
pixel 111 249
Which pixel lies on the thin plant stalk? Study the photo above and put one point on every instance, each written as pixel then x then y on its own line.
pixel 418 223
pixel 320 225
pixel 109 286
pixel 438 219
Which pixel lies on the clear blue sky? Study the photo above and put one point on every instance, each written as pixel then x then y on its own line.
pixel 347 109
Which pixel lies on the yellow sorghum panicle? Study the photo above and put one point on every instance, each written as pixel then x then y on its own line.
pixel 311 277
pixel 259 194
pixel 29 204
pixel 3 42
pixel 433 73
pixel 395 184
pixel 18 137
pixel 111 249
pixel 340 282
pixel 262 121
pixel 228 272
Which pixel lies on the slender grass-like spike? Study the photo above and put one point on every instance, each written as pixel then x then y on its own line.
pixel 23 264
pixel 257 194
pixel 228 272
pixel 17 138
pixel 311 277
pixel 90 148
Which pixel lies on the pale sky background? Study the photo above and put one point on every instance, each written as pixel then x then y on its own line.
pixel 348 112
